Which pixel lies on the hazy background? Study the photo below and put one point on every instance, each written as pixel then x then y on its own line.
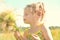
pixel 52 7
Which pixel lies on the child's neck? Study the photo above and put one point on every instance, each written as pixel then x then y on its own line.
pixel 35 28
pixel 36 24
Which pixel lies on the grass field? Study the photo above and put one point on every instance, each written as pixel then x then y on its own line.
pixel 7 36
pixel 10 36
pixel 56 33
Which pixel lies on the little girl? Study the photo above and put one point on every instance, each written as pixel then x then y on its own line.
pixel 33 15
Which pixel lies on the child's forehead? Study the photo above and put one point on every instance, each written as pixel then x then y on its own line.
pixel 28 9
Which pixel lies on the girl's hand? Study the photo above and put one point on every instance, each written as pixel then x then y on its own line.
pixel 36 37
pixel 17 35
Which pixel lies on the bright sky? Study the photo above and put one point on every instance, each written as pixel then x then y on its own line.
pixel 52 8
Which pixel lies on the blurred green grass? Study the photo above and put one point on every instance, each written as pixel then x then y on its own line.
pixel 7 36
pixel 10 36
pixel 55 33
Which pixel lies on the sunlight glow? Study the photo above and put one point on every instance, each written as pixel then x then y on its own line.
pixel 51 16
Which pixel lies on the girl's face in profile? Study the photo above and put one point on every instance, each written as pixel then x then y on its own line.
pixel 30 17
